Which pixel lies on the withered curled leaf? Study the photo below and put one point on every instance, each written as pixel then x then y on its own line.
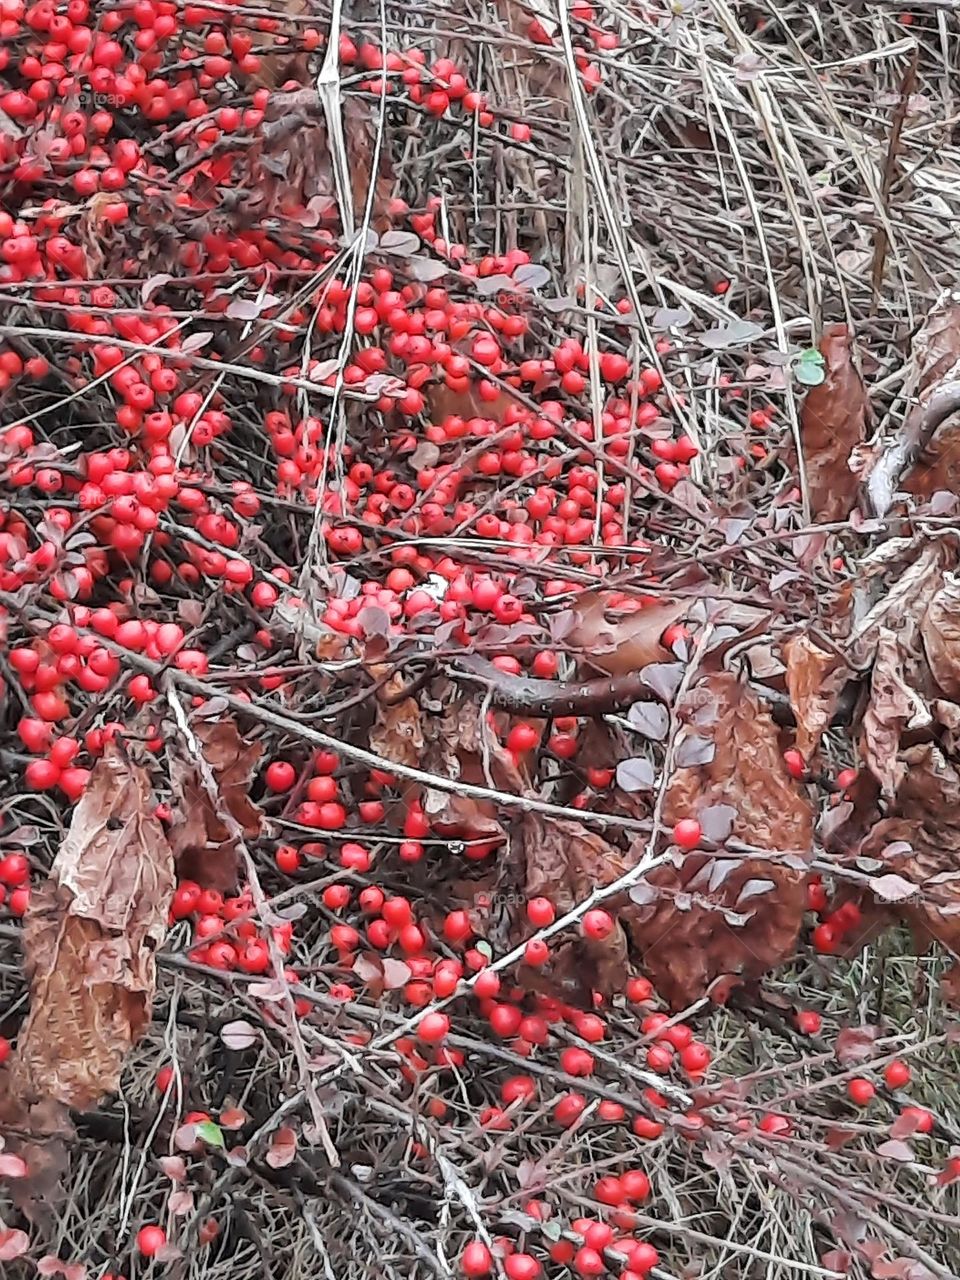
pixel 91 938
pixel 204 848
pixel 814 677
pixel 732 931
pixel 833 421
pixel 940 631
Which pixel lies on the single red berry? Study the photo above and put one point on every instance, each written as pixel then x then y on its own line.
pixel 809 1022
pixel 826 939
pixel 476 1260
pixel 433 1027
pixel 796 765
pixel 687 833
pixel 695 1058
pixel 860 1090
pixel 896 1074
pixel 540 912
pixel 280 776
pixel 597 924
pixel 151 1239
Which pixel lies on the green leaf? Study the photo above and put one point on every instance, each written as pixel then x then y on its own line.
pixel 552 1229
pixel 810 368
pixel 210 1133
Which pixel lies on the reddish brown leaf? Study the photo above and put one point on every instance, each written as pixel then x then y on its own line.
pixel 13 1244
pixel 283 1148
pixel 833 421
pixel 940 630
pixel 90 940
pixel 936 360
pixel 204 848
pixel 397 734
pixel 893 705
pixel 814 678
pixel 721 937
pixel 855 1044
pixel 625 643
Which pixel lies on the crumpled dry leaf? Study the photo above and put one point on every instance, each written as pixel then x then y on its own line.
pixel 709 928
pixel 91 937
pixel 893 706
pixel 940 631
pixel 564 861
pixel 628 643
pixel 814 679
pixel 936 357
pixel 833 422
pixel 458 744
pixel 919 844
pixel 397 734
pixel 203 847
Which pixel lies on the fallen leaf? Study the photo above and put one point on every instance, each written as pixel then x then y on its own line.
pixel 814 678
pixel 283 1148
pixel 90 939
pixel 940 631
pixel 892 706
pixel 13 1244
pixel 855 1044
pixel 238 1035
pixel 204 848
pixel 743 791
pixel 895 1150
pixel 624 643
pixel 833 422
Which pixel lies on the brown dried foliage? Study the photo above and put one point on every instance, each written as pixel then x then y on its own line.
pixel 565 862
pixel 291 166
pixel 833 421
pixel 692 936
pixel 624 644
pixel 90 941
pixel 920 843
pixel 814 677
pixel 711 920
pixel 204 847
pixel 936 356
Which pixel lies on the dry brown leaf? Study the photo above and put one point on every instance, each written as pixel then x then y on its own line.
pixel 692 934
pixel 892 707
pixel 940 631
pixel 814 678
pixel 936 357
pixel 90 939
pixel 397 734
pixel 203 847
pixel 627 643
pixel 919 845
pixel 564 861
pixel 459 745
pixel 833 422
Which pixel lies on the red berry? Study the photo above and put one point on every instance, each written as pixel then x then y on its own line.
pixel 151 1239
pixel 476 1260
pixel 860 1090
pixel 280 776
pixel 896 1074
pixel 687 833
pixel 597 924
pixel 540 912
pixel 809 1022
pixel 433 1027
